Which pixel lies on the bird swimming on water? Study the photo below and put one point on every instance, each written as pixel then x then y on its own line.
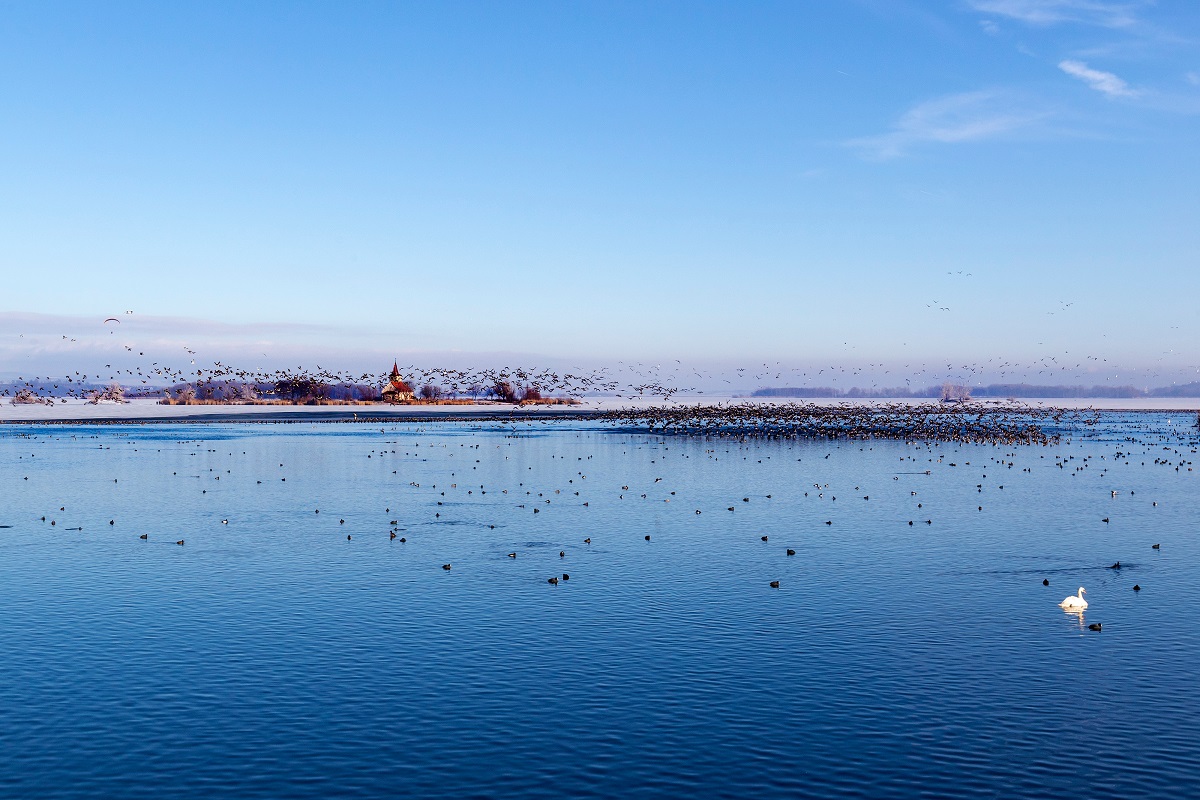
pixel 1074 602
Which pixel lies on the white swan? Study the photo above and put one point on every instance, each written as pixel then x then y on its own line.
pixel 1074 602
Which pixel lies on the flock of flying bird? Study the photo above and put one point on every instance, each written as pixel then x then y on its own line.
pixel 625 380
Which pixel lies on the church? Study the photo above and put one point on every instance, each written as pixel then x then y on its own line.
pixel 396 390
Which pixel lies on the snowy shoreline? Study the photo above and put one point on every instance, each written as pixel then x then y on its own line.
pixel 151 410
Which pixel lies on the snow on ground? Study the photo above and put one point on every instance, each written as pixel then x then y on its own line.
pixel 136 410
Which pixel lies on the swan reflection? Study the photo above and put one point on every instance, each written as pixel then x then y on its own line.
pixel 1077 613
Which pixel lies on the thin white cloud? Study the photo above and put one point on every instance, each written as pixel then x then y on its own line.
pixel 1193 78
pixel 1106 13
pixel 1105 82
pixel 954 119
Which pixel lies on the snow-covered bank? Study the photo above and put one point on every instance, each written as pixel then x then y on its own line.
pixel 141 410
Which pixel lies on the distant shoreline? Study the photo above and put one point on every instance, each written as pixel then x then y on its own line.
pixel 150 411
pixel 991 391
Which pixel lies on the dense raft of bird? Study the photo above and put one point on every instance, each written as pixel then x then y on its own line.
pixel 981 424
pixel 978 424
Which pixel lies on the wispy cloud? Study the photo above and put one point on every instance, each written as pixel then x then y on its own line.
pixel 1105 82
pixel 1193 78
pixel 1105 13
pixel 954 119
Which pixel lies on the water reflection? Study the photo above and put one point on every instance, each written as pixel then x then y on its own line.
pixel 1077 613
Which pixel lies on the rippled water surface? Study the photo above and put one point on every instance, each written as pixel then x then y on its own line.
pixel 282 652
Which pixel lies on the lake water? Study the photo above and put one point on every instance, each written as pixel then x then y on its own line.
pixel 282 652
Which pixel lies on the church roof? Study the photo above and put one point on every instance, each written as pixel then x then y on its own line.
pixel 396 383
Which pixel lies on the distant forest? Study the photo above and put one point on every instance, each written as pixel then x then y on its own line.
pixel 991 390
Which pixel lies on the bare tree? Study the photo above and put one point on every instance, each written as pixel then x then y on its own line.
pixel 115 393
pixel 26 397
pixel 955 392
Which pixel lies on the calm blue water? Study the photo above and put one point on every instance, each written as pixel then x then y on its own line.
pixel 274 657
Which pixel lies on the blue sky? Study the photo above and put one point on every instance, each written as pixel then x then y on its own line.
pixel 966 182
